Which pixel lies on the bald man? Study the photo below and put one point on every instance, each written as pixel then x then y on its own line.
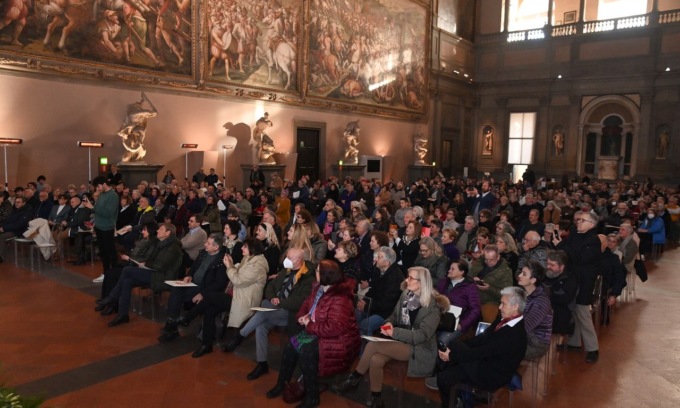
pixel 534 248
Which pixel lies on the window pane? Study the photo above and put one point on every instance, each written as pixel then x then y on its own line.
pixel 608 9
pixel 527 14
pixel 515 151
pixel 527 151
pixel 529 125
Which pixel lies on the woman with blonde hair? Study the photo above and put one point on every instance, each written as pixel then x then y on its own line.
pixel 552 213
pixel 507 247
pixel 272 251
pixel 298 238
pixel 412 324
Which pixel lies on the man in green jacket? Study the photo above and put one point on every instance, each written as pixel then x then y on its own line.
pixel 161 265
pixel 105 214
pixel 285 294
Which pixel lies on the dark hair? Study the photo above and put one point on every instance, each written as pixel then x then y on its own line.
pixel 558 256
pixel 381 238
pixel 151 227
pixel 463 266
pixel 438 223
pixel 330 273
pixel 41 177
pixel 537 271
pixel 305 215
pixel 217 239
pixel 254 246
pixel 234 226
pixel 99 180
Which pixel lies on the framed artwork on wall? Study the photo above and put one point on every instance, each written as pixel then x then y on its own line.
pixel 570 17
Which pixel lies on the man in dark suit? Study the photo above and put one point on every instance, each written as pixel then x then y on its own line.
pixel 487 361
pixel 364 232
pixel 477 201
pixel 114 178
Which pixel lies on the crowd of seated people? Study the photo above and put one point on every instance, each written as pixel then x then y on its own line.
pixel 263 246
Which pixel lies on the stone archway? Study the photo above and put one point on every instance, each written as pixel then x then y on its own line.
pixel 609 129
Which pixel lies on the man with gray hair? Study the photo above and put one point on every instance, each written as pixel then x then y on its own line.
pixel 385 289
pixel 466 234
pixel 534 248
pixel 583 249
pixel 487 361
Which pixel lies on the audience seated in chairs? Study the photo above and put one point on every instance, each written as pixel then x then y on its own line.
pixel 285 293
pixel 15 224
pixel 329 341
pixel 162 264
pixel 128 235
pixel 413 323
pixel 192 243
pixel 78 217
pixel 487 361
pixel 208 273
pixel 385 290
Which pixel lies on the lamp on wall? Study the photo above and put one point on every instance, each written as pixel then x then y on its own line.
pixel 90 146
pixel 186 157
pixel 7 141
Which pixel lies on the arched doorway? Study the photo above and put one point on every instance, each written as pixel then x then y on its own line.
pixel 609 127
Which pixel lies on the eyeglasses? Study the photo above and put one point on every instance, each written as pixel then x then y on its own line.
pixel 411 278
pixel 424 251
pixel 584 220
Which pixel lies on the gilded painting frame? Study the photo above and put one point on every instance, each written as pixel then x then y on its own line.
pixel 106 40
pixel 364 70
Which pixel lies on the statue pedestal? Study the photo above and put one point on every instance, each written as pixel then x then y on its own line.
pixel 349 170
pixel 267 170
pixel 416 172
pixel 133 174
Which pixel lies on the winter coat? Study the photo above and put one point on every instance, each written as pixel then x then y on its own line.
pixel 562 294
pixel 335 327
pixel 384 290
pixel 466 296
pixel 497 279
pixel 166 261
pixel 421 336
pixel 215 278
pixel 583 251
pixel 656 228
pixel 435 264
pixel 248 279
pixel 297 295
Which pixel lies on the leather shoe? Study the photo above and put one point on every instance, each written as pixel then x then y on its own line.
pixel 201 351
pixel 168 337
pixel 99 308
pixel 592 356
pixel 376 402
pixel 260 370
pixel 276 391
pixel 310 403
pixel 231 346
pixel 348 383
pixel 120 319
pixel 108 310
pixel 105 301
pixel 183 321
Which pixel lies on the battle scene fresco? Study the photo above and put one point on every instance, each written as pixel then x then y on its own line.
pixel 254 42
pixel 369 51
pixel 146 34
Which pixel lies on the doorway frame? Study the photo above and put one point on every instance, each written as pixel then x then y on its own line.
pixel 321 127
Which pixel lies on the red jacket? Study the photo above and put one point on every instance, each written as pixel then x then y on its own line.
pixel 335 327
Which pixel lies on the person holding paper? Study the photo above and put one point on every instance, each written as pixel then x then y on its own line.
pixel 412 324
pixel 463 293
pixel 284 295
pixel 207 273
pixel 330 339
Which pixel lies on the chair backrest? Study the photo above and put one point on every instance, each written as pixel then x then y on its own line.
pixel 597 290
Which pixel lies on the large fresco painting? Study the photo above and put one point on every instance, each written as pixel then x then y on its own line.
pixel 147 34
pixel 369 51
pixel 255 42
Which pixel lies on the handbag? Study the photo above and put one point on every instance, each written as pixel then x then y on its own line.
pixel 294 391
pixel 640 270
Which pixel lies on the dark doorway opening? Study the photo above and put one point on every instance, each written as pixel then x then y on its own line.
pixel 308 153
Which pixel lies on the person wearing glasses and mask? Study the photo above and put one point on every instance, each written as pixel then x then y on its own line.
pixel 583 249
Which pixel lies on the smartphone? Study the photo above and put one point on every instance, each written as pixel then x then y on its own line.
pixel 480 282
pixel 441 346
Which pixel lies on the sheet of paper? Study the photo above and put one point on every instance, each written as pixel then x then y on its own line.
pixel 376 339
pixel 296 194
pixel 455 310
pixel 262 309
pixel 179 283
pixel 221 205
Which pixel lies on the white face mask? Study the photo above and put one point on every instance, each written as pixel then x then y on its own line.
pixel 287 263
pixel 650 216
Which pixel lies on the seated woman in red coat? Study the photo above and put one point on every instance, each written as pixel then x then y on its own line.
pixel 330 339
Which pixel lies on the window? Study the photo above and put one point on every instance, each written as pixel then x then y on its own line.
pixel 527 14
pixel 610 9
pixel 521 143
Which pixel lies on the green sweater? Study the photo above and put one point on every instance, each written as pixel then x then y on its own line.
pixel 106 211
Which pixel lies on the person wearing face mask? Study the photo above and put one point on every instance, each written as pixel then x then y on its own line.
pixel 652 231
pixel 285 294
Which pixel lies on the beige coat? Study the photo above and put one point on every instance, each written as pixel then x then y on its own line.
pixel 248 279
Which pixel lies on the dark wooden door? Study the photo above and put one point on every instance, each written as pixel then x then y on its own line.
pixel 308 153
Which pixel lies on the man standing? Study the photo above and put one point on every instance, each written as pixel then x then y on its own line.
pixel 105 213
pixel 563 287
pixel 478 202
pixel 583 249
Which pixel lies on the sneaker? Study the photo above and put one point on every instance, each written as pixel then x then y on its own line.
pixel 98 279
pixel 431 383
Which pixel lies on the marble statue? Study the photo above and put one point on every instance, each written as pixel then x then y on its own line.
pixel 662 144
pixel 420 147
pixel 133 130
pixel 558 140
pixel 263 145
pixel 351 137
